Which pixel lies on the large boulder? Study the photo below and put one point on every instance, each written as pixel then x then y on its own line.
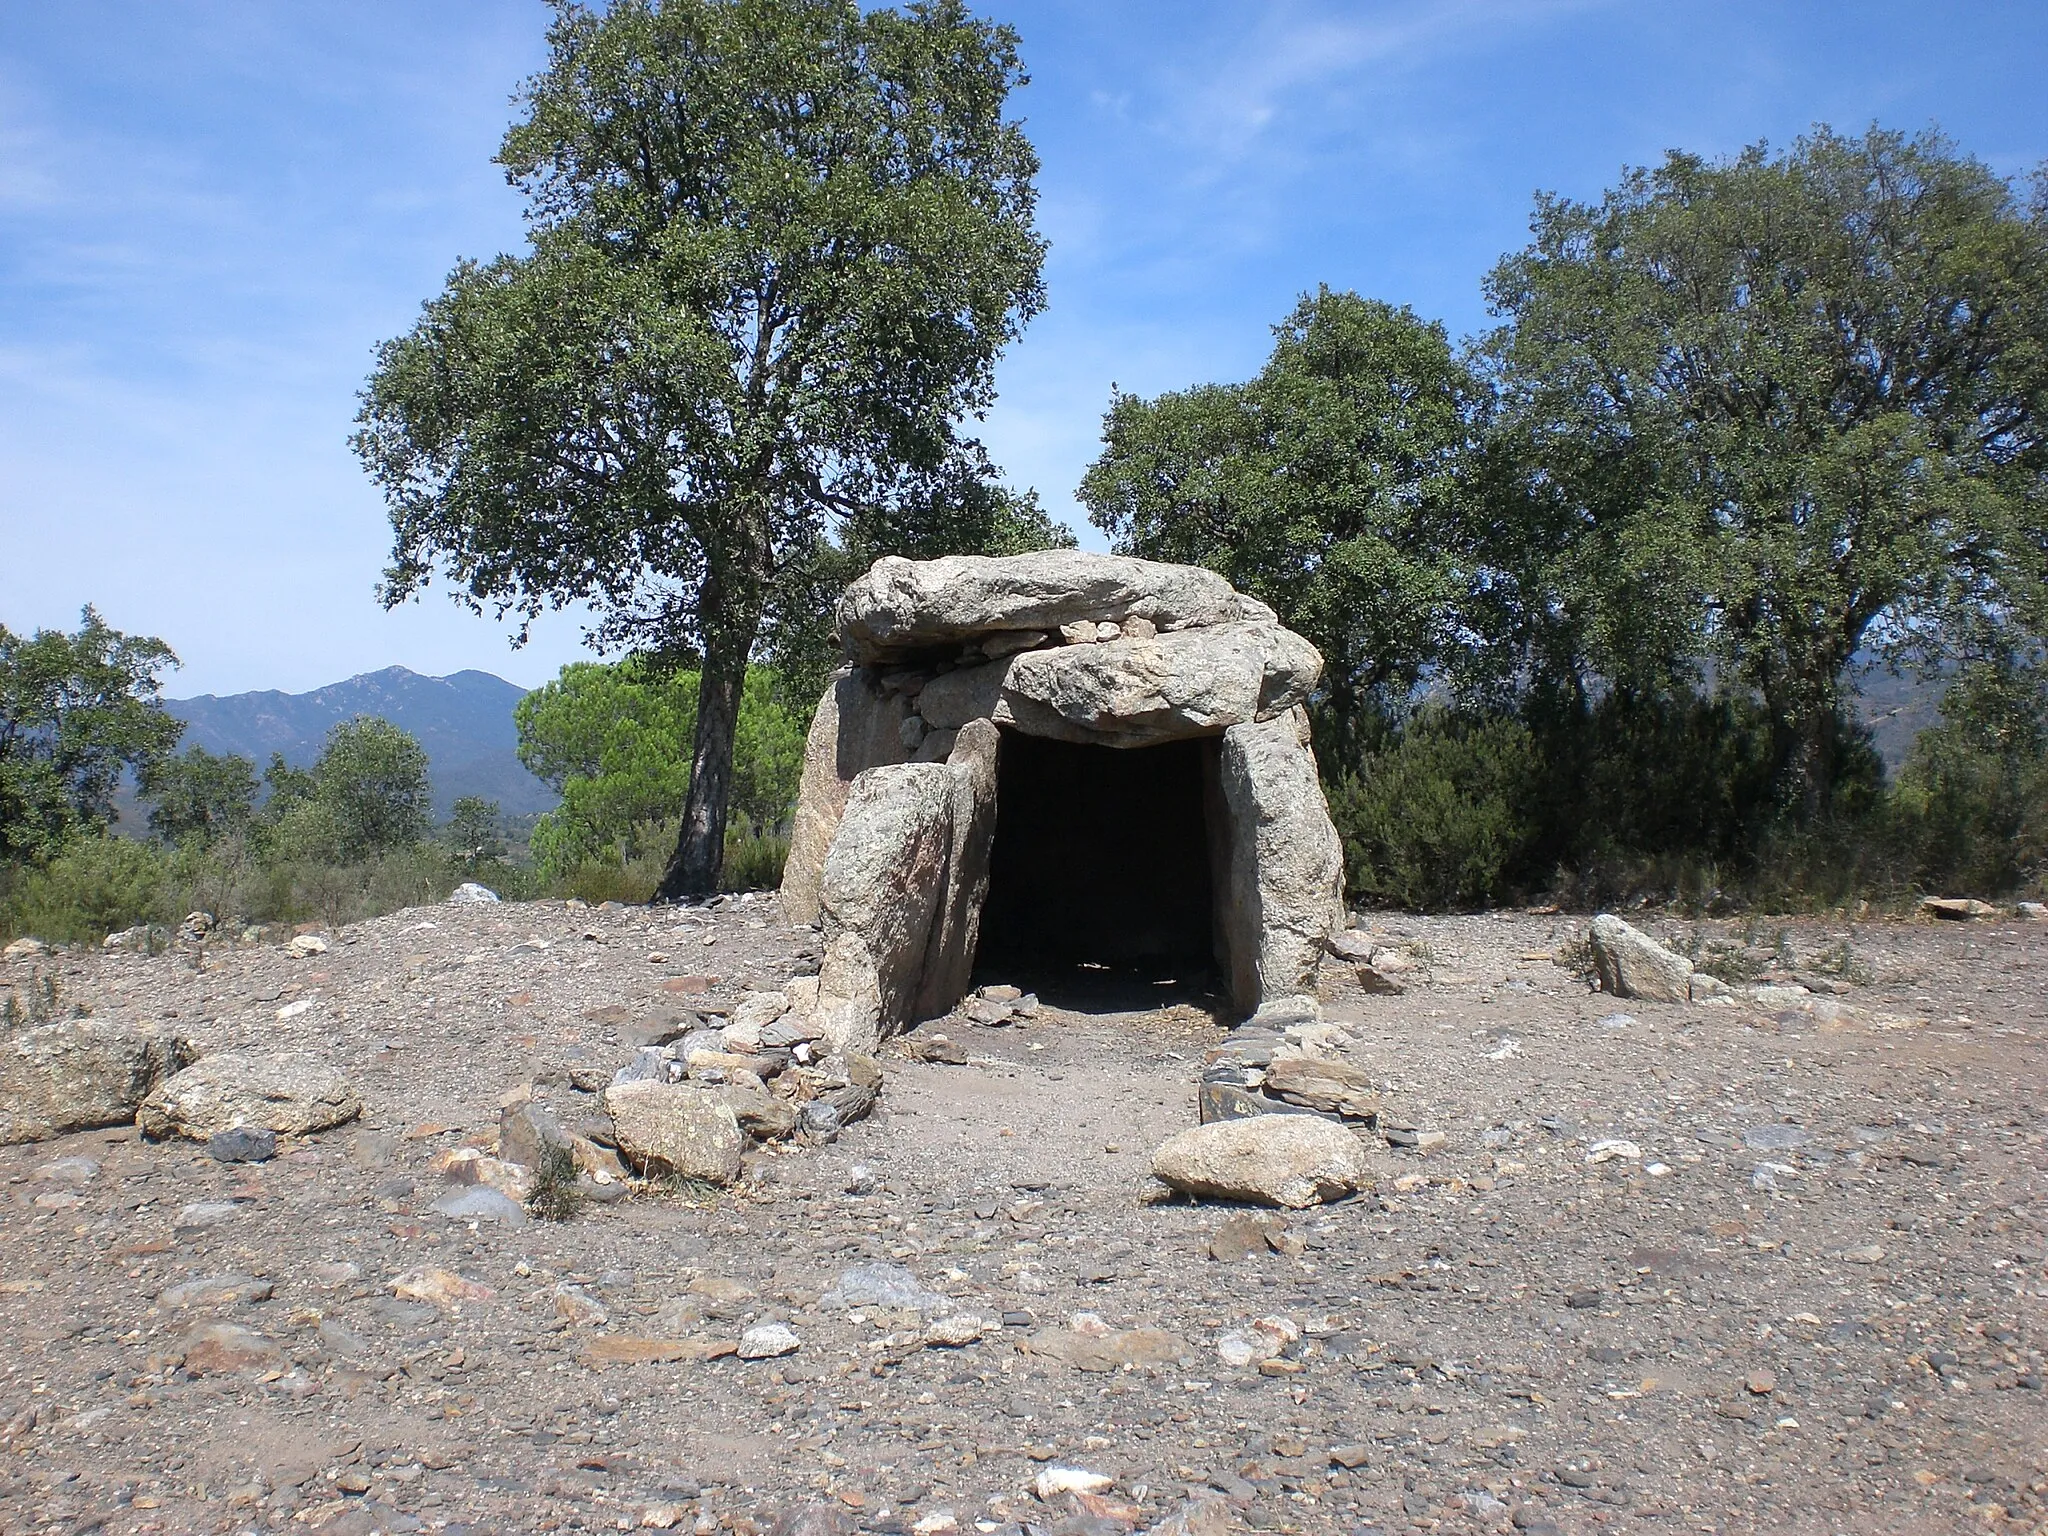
pixel 1281 895
pixel 289 1092
pixel 676 1128
pixel 1629 963
pixel 902 606
pixel 78 1074
pixel 1285 1160
pixel 1133 692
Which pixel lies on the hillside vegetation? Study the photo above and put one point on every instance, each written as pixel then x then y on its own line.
pixel 1594 590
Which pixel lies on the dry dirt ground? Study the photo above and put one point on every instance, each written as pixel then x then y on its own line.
pixel 1813 1302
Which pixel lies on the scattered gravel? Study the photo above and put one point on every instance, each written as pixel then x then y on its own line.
pixel 1775 1265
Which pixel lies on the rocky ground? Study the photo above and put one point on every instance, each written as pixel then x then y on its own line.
pixel 1805 1294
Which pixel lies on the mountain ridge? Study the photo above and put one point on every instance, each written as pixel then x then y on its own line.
pixel 463 720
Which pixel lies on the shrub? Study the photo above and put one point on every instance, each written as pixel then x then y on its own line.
pixel 1440 817
pixel 601 880
pixel 1971 813
pixel 555 1196
pixel 753 860
pixel 98 884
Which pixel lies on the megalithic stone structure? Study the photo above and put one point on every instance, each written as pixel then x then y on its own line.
pixel 900 822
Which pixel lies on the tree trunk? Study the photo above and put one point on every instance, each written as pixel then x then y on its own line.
pixel 728 632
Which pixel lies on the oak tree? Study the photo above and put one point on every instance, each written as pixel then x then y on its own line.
pixel 776 247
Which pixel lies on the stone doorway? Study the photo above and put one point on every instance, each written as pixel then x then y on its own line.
pixel 1101 858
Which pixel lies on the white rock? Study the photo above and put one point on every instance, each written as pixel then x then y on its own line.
pixel 1607 1151
pixel 1238 1350
pixel 469 893
pixel 1054 1481
pixel 962 1328
pixel 766 1341
pixel 307 944
pixel 481 1203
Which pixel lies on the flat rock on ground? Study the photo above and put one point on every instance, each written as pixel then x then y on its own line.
pixel 1799 1287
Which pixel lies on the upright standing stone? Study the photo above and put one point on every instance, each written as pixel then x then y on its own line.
pixel 949 961
pixel 1630 963
pixel 857 727
pixel 1283 892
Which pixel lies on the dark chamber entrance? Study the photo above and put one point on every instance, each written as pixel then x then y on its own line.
pixel 1101 858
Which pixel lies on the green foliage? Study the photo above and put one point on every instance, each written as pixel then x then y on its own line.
pixel 554 1196
pixel 287 785
pixel 76 713
pixel 1744 424
pixel 1972 799
pixel 753 859
pixel 767 752
pixel 1327 486
pixel 476 831
pixel 776 248
pixel 1439 817
pixel 97 885
pixel 1767 414
pixel 370 788
pixel 196 797
pixel 600 880
pixel 612 740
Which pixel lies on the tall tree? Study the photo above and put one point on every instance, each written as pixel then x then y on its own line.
pixel 1776 412
pixel 371 780
pixel 1325 486
pixel 76 713
pixel 198 797
pixel 777 246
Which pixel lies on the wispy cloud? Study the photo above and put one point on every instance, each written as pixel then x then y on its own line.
pixel 1296 55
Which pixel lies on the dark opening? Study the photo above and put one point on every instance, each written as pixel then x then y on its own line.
pixel 1101 858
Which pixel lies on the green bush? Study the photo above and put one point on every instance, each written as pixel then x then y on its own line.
pixel 1440 817
pixel 1970 816
pixel 600 880
pixel 753 860
pixel 97 885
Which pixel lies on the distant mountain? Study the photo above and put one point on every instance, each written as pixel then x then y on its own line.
pixel 464 722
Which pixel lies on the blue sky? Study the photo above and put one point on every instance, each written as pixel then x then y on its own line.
pixel 212 210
